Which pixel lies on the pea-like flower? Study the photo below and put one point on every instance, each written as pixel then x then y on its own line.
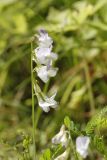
pixel 44 52
pixel 44 57
pixel 62 137
pixel 44 40
pixel 47 103
pixel 82 143
pixel 44 101
pixel 45 72
pixel 63 156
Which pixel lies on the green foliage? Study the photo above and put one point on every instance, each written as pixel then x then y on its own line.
pixel 46 155
pixel 68 123
pixel 97 122
pixel 71 126
pixel 57 150
pixel 98 143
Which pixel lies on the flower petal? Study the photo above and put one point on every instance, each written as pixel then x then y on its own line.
pixel 52 72
pixel 42 73
pixel 61 137
pixel 42 55
pixel 44 105
pixel 44 39
pixel 82 143
pixel 47 102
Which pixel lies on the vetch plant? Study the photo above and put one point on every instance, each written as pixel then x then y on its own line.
pixel 44 59
pixel 79 29
pixel 70 137
pixel 74 143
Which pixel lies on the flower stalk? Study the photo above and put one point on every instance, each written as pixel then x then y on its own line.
pixel 44 58
pixel 33 106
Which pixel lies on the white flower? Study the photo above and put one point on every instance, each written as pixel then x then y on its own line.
pixel 82 143
pixel 62 137
pixel 43 55
pixel 47 102
pixel 44 52
pixel 44 101
pixel 44 40
pixel 45 72
pixel 63 156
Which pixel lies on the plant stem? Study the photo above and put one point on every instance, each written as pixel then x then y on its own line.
pixel 88 79
pixel 33 106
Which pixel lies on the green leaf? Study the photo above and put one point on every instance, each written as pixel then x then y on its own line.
pixel 67 122
pixel 57 150
pixel 99 144
pixel 47 154
pixel 99 121
pixel 71 126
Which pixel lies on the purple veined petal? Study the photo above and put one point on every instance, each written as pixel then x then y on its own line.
pixel 44 39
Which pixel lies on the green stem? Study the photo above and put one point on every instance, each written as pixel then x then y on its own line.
pixel 33 106
pixel 88 79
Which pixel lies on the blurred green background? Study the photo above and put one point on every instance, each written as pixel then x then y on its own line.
pixel 79 31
